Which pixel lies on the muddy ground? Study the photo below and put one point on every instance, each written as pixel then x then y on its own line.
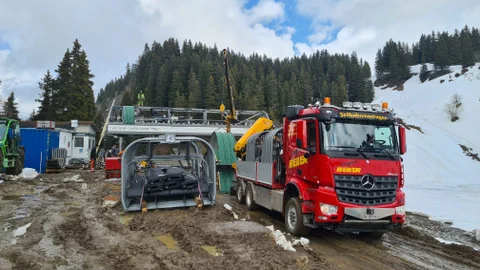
pixel 71 229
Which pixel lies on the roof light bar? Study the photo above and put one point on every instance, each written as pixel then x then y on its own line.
pixel 347 104
pixel 376 107
pixel 367 106
pixel 357 105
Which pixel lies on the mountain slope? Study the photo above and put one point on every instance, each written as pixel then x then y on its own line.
pixel 440 179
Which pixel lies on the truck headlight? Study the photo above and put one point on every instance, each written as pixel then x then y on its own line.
pixel 328 209
pixel 400 210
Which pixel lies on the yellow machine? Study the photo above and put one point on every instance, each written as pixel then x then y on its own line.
pixel 260 125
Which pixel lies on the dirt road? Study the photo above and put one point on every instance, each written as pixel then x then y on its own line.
pixel 70 229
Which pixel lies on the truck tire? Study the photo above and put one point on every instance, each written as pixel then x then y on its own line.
pixel 251 205
pixel 240 194
pixel 294 218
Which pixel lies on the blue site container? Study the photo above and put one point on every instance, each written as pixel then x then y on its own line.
pixel 38 144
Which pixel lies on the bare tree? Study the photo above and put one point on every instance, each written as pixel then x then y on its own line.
pixel 454 107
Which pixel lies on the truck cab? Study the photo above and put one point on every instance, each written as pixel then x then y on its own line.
pixel 341 169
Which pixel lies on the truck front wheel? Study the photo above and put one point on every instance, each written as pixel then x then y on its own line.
pixel 294 218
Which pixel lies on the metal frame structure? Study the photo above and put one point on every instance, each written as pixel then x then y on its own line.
pixel 163 120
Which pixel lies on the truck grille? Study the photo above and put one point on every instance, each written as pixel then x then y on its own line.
pixel 350 190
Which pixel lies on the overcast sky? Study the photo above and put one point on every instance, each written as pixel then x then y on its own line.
pixel 35 34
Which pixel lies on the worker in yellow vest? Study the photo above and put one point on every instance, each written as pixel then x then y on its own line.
pixel 141 98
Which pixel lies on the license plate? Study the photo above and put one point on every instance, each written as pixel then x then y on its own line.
pixel 369 214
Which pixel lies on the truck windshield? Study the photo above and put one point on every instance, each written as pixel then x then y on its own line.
pixel 365 137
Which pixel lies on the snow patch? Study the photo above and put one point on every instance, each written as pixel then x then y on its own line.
pixel 74 178
pixel 21 231
pixel 477 235
pixel 302 241
pixel 280 239
pixel 230 209
pixel 447 242
pixel 28 173
pixel 440 180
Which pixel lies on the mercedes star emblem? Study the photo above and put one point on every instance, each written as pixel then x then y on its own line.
pixel 368 182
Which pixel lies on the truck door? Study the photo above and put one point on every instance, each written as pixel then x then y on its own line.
pixel 306 148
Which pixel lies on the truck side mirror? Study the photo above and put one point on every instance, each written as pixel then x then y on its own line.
pixel 403 140
pixel 302 134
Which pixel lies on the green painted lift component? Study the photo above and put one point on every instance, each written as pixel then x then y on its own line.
pixel 128 115
pixel 223 145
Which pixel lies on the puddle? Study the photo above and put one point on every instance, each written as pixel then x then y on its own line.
pixel 30 197
pixel 125 220
pixel 39 189
pixel 267 218
pixel 11 197
pixel 67 214
pixel 212 250
pixel 236 227
pixel 168 241
pixel 21 213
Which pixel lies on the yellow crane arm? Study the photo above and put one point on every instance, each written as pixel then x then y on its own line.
pixel 260 125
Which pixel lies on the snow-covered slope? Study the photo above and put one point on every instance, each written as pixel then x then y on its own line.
pixel 440 180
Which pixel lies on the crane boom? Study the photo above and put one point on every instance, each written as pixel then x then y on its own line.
pixel 232 116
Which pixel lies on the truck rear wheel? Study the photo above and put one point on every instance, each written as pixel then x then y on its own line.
pixel 294 218
pixel 251 205
pixel 240 194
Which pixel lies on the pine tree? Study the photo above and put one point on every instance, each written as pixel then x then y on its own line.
pixel 82 98
pixel 325 90
pixel 60 95
pixel 10 108
pixel 339 91
pixel 176 86
pixel 455 49
pixel 210 100
pixel 126 99
pixel 47 88
pixel 179 101
pixel 33 115
pixel 195 95
pixel 162 86
pixel 357 86
pixel 467 48
pixel 423 73
pixel 441 55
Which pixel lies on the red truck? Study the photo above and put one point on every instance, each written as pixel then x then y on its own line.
pixel 328 166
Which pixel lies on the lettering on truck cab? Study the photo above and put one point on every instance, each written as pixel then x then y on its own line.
pixel 348 170
pixel 295 162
